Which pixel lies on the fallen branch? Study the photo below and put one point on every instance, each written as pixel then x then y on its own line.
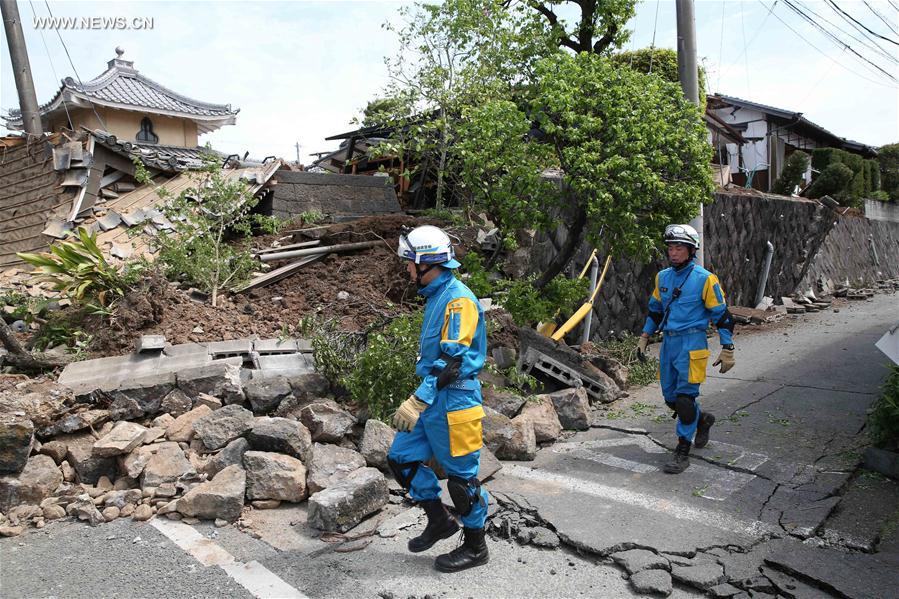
pixel 19 357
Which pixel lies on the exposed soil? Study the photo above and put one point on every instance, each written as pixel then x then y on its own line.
pixel 353 289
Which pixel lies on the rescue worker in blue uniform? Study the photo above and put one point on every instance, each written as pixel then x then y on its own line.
pixel 686 297
pixel 442 418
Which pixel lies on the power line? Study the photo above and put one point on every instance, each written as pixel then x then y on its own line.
pixel 652 46
pixel 853 71
pixel 65 104
pixel 891 27
pixel 867 41
pixel 836 39
pixel 94 108
pixel 759 30
pixel 860 24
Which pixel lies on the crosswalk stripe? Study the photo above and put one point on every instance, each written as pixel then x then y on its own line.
pixel 253 576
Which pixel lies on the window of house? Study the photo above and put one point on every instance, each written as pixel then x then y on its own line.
pixel 146 132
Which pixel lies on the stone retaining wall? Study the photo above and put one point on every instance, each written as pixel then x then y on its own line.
pixel 810 241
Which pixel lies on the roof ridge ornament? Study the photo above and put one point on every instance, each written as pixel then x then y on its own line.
pixel 120 64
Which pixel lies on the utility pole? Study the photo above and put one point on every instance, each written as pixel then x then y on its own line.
pixel 298 153
pixel 18 55
pixel 689 81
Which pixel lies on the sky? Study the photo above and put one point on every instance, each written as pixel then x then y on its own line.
pixel 300 71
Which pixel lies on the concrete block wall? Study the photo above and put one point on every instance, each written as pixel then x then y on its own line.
pixel 809 240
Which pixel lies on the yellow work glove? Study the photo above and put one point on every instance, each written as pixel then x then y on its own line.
pixel 726 359
pixel 641 348
pixel 407 414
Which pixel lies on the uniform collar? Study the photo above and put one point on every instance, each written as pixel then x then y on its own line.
pixel 437 284
pixel 684 266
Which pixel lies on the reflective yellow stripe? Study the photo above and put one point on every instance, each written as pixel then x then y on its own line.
pixel 460 321
pixel 655 292
pixel 708 292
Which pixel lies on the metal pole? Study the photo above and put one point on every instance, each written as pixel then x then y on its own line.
pixel 689 81
pixel 763 280
pixel 347 247
pixel 588 320
pixel 18 55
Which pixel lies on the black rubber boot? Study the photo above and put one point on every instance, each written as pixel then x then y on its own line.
pixel 681 459
pixel 702 430
pixel 440 526
pixel 472 552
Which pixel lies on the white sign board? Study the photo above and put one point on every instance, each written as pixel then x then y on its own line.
pixel 889 344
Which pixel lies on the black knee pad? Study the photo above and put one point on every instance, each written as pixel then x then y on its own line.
pixel 685 406
pixel 464 493
pixel 399 472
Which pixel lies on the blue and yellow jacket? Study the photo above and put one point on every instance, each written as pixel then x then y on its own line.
pixel 701 300
pixel 453 337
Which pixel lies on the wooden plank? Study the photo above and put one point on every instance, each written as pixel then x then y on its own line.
pixel 292 246
pixel 278 274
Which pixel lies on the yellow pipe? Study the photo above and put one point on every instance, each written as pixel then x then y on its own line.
pixel 546 328
pixel 582 312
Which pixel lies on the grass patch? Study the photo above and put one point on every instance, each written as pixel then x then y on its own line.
pixel 625 351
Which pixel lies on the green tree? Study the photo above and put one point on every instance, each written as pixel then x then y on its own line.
pixel 200 248
pixel 632 150
pixel 888 158
pixel 659 61
pixel 792 174
pixel 600 26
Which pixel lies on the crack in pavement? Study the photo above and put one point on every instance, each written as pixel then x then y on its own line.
pixel 755 401
pixel 785 384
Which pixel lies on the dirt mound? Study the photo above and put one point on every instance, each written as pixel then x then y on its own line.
pixel 354 289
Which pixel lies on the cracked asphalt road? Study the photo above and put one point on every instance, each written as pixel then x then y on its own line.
pixel 786 444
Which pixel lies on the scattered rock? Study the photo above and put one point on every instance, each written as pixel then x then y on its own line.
pixel 232 454
pixel 506 403
pixel 331 464
pixel 124 437
pixel 120 499
pixel 213 403
pixel 222 497
pixel 327 422
pixel 68 473
pixel 16 440
pixel 264 394
pixel 653 582
pixel 572 408
pixel 181 429
pixel 542 414
pixel 343 506
pixel 56 450
pixel 489 465
pixel 142 512
pixel 84 509
pixel 217 429
pixel 265 504
pixel 376 441
pixel 88 467
pixel 282 436
pixel 37 480
pixel 509 439
pixel 176 403
pixel 309 385
pixel 637 560
pixel 504 357
pixel 125 408
pixel 544 537
pixel 110 513
pixel 74 422
pixel 163 420
pixel 53 512
pixel 11 531
pixel 220 523
pixel 274 476
pixel 167 464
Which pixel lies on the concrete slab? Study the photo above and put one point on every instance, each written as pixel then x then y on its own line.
pixel 275 346
pixel 150 343
pixel 237 347
pixel 286 365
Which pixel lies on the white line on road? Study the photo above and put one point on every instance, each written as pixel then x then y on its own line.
pixel 256 578
pixel 753 529
pixel 745 459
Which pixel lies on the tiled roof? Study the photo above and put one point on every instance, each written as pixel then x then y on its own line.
pixel 122 86
pixel 164 158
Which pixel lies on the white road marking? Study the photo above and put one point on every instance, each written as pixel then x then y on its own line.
pixel 668 506
pixel 744 459
pixel 256 578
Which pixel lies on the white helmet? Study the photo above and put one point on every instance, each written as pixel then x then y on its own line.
pixel 427 245
pixel 684 234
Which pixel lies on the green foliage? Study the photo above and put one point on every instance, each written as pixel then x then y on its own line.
pixel 792 174
pixel 22 306
pixel 382 376
pixel 309 217
pixel 269 225
pixel 79 271
pixel 883 421
pixel 625 351
pixel 476 279
pixel 880 196
pixel 204 217
pixel 63 328
pixel 888 160
pixel 529 305
pixel 658 61
pixel 453 217
pixel 522 381
pixel 832 181
pixel 633 151
pixel 848 185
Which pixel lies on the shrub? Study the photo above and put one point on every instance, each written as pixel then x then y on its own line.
pixel 849 190
pixel 79 271
pixel 529 305
pixel 476 279
pixel 883 422
pixel 832 181
pixel 625 351
pixel 382 376
pixel 888 159
pixel 792 174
